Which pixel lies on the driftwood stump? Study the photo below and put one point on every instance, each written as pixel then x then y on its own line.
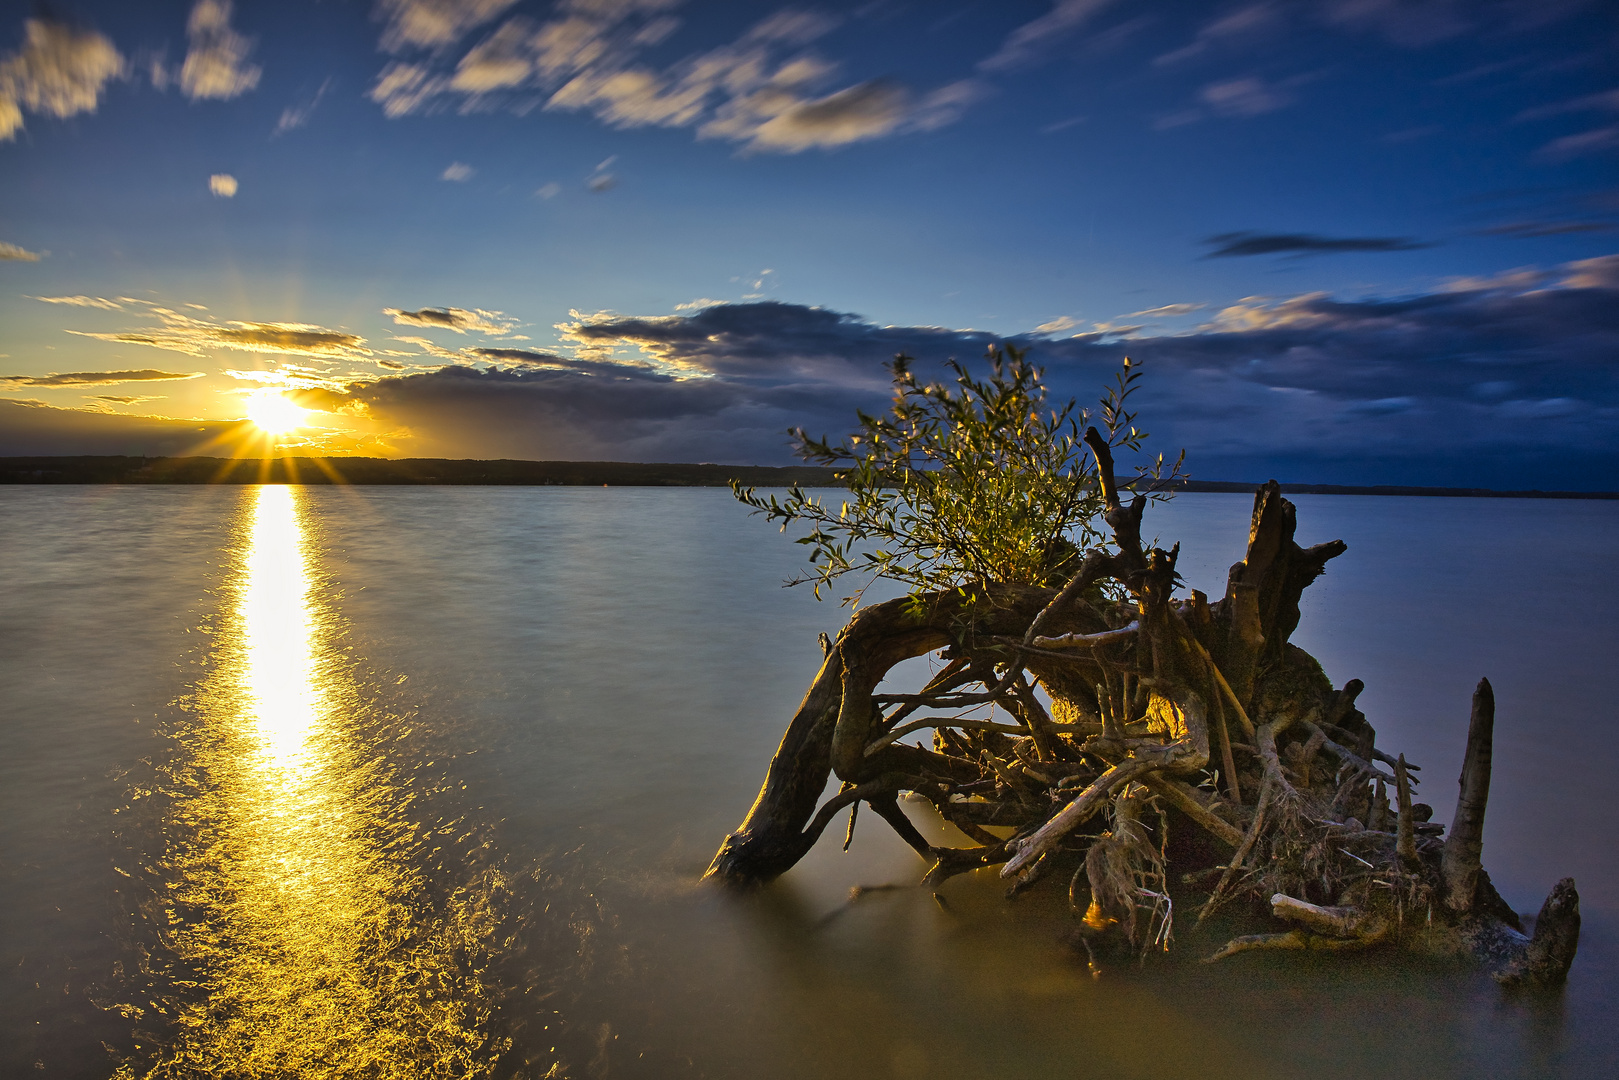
pixel 1201 714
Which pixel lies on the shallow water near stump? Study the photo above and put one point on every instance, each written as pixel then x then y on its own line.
pixel 385 781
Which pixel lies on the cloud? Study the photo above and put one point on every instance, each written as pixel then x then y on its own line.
pixel 1243 22
pixel 1504 381
pixel 1244 97
pixel 1606 101
pixel 29 428
pixel 1536 229
pixel 1057 325
pixel 60 71
pixel 1227 245
pixel 434 23
pixel 548 191
pixel 215 64
pixel 13 253
pixel 432 348
pixel 129 399
pixel 97 378
pixel 1167 311
pixel 1594 141
pixel 1025 45
pixel 1599 273
pixel 762 91
pixel 461 320
pixel 521 356
pixel 1313 387
pixel 82 301
pixel 194 337
pixel 457 172
pixel 296 116
pixel 1409 23
pixel 223 185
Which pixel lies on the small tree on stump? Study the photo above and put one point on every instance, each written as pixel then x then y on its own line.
pixel 983 501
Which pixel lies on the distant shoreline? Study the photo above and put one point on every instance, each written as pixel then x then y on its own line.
pixel 511 473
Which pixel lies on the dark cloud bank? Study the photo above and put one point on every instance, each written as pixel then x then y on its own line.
pixel 1237 244
pixel 1505 383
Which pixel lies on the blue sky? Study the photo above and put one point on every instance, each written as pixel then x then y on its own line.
pixel 1356 241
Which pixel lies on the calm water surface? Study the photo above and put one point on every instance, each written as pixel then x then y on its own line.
pixel 417 782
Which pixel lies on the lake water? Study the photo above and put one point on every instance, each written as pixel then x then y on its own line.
pixel 418 782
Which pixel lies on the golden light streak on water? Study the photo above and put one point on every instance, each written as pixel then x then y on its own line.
pixel 315 947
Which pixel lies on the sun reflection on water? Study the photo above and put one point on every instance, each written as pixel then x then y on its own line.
pixel 309 939
pixel 279 677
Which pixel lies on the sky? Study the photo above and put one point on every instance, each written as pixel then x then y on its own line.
pixel 1349 241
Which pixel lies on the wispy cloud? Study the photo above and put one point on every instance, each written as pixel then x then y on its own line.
pixel 457 172
pixel 13 253
pixel 1167 311
pixel 296 116
pixel 1409 23
pixel 1245 22
pixel 97 378
pixel 1249 96
pixel 1606 101
pixel 1530 230
pixel 1595 141
pixel 1236 244
pixel 461 320
pixel 216 61
pixel 82 301
pixel 1026 44
pixel 60 71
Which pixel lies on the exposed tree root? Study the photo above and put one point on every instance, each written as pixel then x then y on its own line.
pixel 1199 714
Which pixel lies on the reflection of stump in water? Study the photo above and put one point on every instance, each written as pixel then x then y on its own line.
pixel 1149 694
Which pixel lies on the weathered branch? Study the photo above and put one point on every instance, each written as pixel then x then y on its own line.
pixel 1465 845
pixel 1183 797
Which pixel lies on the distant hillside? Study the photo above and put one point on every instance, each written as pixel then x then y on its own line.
pixel 207 470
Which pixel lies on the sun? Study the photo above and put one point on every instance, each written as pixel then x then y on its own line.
pixel 274 414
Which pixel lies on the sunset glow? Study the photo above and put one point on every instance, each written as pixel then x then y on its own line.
pixel 274 414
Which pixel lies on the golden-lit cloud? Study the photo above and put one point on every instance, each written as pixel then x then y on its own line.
pixel 13 253
pixel 223 185
pixel 60 71
pixel 97 378
pixel 215 64
pixel 82 301
pixel 194 337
